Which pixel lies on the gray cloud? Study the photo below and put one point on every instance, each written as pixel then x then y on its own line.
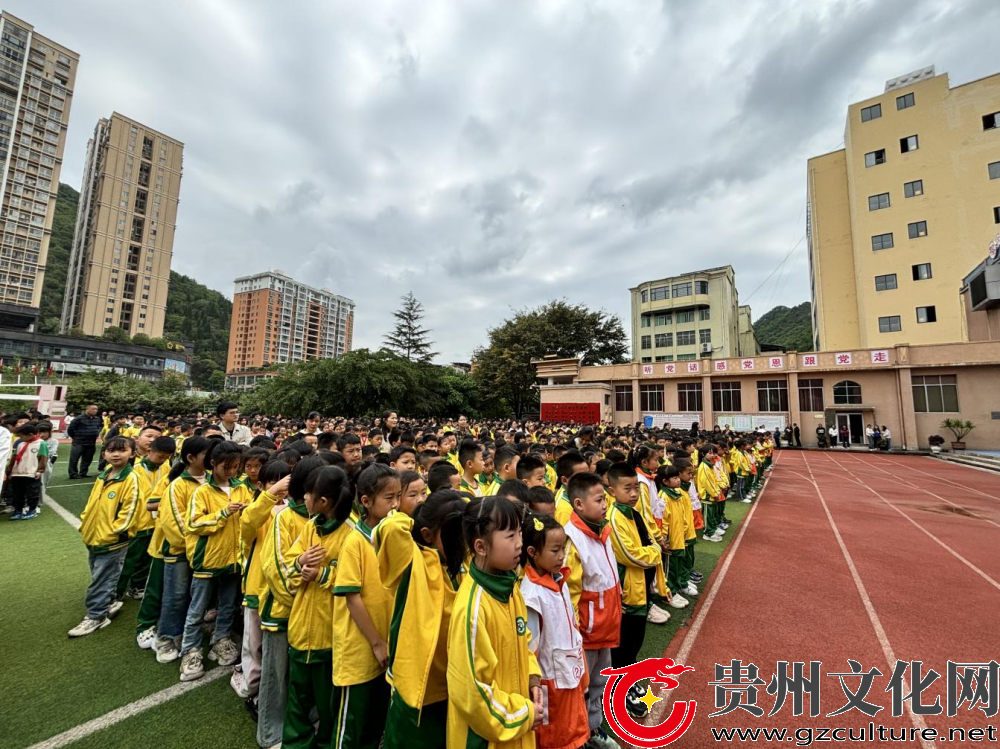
pixel 496 156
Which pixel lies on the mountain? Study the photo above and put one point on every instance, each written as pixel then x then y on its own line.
pixel 195 312
pixel 788 327
pixel 57 266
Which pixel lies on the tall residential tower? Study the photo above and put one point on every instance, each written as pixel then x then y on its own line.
pixel 119 269
pixel 277 320
pixel 36 89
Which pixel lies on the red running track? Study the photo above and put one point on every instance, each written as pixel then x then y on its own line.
pixel 855 556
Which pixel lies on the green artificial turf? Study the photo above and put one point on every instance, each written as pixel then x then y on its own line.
pixel 53 683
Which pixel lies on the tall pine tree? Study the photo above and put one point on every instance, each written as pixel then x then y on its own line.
pixel 409 339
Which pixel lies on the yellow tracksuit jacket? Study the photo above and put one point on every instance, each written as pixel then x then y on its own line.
pixel 254 525
pixel 283 531
pixel 111 511
pixel 489 665
pixel 310 624
pixel 634 559
pixel 707 483
pixel 740 463
pixel 679 518
pixel 213 540
pixel 551 478
pixel 424 595
pixel 158 546
pixel 564 508
pixel 171 517
pixel 148 475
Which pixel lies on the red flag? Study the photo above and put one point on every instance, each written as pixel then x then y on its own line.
pixel 51 371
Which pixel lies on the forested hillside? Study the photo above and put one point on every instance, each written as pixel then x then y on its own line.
pixel 789 327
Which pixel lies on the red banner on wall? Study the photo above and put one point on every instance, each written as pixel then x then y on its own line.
pixel 581 413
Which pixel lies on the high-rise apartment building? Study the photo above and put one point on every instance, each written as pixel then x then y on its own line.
pixel 898 216
pixel 36 89
pixel 277 320
pixel 691 316
pixel 119 269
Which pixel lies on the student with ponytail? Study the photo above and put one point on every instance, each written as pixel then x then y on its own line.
pixel 420 559
pixel 645 461
pixel 709 493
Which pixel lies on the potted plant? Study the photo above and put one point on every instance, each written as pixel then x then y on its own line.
pixel 936 441
pixel 958 428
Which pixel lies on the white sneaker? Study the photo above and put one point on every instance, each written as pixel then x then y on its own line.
pixel 146 639
pixel 657 615
pixel 166 650
pixel 720 535
pixel 239 684
pixel 678 601
pixel 691 590
pixel 88 626
pixel 713 539
pixel 745 500
pixel 225 652
pixel 191 667
pixel 115 608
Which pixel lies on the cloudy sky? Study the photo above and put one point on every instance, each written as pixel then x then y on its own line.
pixel 490 156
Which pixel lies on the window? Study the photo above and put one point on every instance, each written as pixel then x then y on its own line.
pixel 644 321
pixel 701 287
pixel 874 158
pixel 878 202
pixel 935 394
pixel 705 313
pixel 704 336
pixel 889 324
pixel 996 214
pixel 772 395
pixel 644 294
pixel 663 318
pixel 810 395
pixel 905 101
pixel 687 316
pixel 914 188
pixel 909 143
pixel 682 289
pixel 726 396
pixel 882 241
pixel 991 121
pixel 689 396
pixel 660 293
pixel 623 397
pixel 994 170
pixel 871 113
pixel 664 340
pixel 140 201
pixel 886 282
pixel 917 229
pixel 686 338
pixel 650 397
pixel 137 227
pixel 926 314
pixel 922 272
pixel 686 357
pixel 665 357
pixel 646 342
pixel 847 393
pixel 647 360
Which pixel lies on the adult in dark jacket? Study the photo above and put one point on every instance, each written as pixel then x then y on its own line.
pixel 84 432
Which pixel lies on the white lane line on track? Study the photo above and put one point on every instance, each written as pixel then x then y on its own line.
pixel 883 639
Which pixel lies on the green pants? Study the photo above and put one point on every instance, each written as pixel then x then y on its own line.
pixel 310 685
pixel 409 728
pixel 360 714
pixel 149 609
pixel 137 561
pixel 711 512
pixel 722 508
pixel 689 557
pixel 678 574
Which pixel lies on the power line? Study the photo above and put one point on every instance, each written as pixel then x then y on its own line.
pixel 776 268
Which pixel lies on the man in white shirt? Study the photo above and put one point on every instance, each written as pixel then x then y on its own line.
pixel 229 413
pixel 870 436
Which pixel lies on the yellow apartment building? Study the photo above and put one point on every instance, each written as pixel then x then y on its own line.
pixel 686 317
pixel 898 216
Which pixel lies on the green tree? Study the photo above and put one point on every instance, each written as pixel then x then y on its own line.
pixel 141 339
pixel 200 315
pixel 409 338
pixel 57 265
pixel 565 330
pixel 788 327
pixel 116 335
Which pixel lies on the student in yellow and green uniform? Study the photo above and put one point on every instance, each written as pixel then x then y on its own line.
pixel 104 526
pixel 709 492
pixel 679 530
pixel 151 472
pixel 505 460
pixel 488 477
pixel 470 455
pixel 315 558
pixel 421 562
pixel 494 696
pixel 569 463
pixel 213 551
pixel 279 574
pixel 362 610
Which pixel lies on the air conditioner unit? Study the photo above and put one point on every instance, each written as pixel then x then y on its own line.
pixel 706 348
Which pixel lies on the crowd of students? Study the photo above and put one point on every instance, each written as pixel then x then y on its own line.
pixel 421 584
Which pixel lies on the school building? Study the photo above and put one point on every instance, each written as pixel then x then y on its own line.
pixel 683 318
pixel 899 215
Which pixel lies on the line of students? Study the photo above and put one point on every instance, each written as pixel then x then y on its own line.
pixel 461 605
